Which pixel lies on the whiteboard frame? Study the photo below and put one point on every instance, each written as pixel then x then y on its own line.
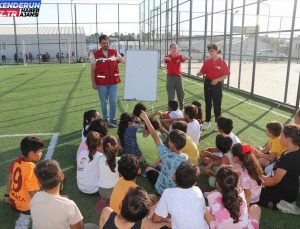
pixel 157 65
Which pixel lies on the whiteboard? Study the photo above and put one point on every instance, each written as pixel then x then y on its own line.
pixel 141 73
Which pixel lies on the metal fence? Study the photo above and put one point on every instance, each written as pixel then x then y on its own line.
pixel 260 40
pixel 67 32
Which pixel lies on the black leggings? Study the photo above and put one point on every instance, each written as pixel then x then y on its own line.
pixel 213 96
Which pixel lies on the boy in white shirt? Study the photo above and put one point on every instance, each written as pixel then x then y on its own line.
pixel 48 208
pixel 185 203
pixel 193 126
pixel 173 114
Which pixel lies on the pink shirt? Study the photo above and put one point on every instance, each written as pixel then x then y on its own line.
pixel 222 215
pixel 247 182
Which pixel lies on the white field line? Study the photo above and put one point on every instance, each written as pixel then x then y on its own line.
pixel 249 103
pixel 23 221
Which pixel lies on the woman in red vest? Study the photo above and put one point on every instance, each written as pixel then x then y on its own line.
pixel 106 77
pixel 174 76
pixel 215 71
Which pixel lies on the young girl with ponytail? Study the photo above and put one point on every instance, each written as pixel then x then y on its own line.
pixel 87 164
pixel 108 170
pixel 88 117
pixel 227 206
pixel 251 172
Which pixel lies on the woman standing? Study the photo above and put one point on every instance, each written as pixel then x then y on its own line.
pixel 215 71
pixel 174 77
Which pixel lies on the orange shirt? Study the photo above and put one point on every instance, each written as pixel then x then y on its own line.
pixel 119 193
pixel 23 182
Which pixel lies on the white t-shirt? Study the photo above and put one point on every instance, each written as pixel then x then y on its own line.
pixel 176 114
pixel 53 211
pixel 87 172
pixel 193 130
pixel 186 207
pixel 234 138
pixel 107 178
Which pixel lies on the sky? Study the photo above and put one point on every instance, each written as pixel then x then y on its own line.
pixel 272 12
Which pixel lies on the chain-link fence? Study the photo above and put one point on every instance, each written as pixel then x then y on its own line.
pixel 260 40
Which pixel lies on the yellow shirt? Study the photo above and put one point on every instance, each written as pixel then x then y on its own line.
pixel 276 146
pixel 23 182
pixel 191 150
pixel 119 193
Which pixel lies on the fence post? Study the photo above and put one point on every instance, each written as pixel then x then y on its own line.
pixel 16 40
pixel 290 52
pixel 59 48
pixel 255 47
pixel 190 35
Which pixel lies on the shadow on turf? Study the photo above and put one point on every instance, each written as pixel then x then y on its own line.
pixel 23 83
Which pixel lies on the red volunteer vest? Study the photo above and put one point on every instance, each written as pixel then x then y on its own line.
pixel 107 71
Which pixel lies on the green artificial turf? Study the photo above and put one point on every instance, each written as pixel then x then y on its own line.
pixel 52 98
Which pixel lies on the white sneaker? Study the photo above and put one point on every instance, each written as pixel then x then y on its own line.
pixel 290 208
pixel 206 126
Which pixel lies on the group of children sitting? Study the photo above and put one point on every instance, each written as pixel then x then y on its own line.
pixel 165 150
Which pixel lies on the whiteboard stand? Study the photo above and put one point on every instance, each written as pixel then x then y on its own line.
pixel 141 75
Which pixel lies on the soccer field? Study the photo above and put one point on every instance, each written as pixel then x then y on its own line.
pixel 49 100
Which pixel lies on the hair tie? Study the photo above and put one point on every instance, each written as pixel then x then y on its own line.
pixel 247 149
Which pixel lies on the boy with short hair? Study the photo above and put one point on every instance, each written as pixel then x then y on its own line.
pixel 170 157
pixel 167 118
pixel 48 208
pixel 190 147
pixel 193 126
pixel 22 182
pixel 128 168
pixel 176 201
pixel 274 148
pixel 225 126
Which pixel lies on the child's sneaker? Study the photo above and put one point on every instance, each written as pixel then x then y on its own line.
pixel 206 126
pixel 289 208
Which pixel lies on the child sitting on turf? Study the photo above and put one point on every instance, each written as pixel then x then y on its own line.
pixel 48 208
pixel 193 126
pixel 185 203
pixel 225 126
pixel 108 170
pixel 228 207
pixel 148 147
pixel 167 118
pixel 100 126
pixel 87 165
pixel 250 172
pixel 127 135
pixel 170 157
pixel 190 147
pixel 134 209
pixel 223 144
pixel 199 116
pixel 274 148
pixel 22 182
pixel 137 111
pixel 283 184
pixel 88 117
pixel 128 168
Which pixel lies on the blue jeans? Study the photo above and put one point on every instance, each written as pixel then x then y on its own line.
pixel 108 93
